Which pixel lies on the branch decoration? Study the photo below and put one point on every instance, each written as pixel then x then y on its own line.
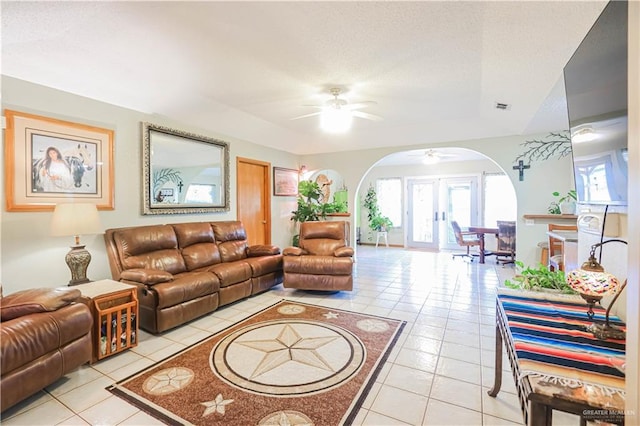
pixel 554 144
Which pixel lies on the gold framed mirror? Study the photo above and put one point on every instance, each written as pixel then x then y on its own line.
pixel 183 173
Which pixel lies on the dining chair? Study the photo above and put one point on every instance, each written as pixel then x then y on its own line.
pixel 506 250
pixel 465 239
pixel 556 256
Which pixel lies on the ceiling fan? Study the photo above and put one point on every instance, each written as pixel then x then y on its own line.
pixel 339 106
pixel 431 156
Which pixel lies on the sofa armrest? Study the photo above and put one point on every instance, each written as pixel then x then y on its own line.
pixel 37 300
pixel 294 251
pixel 146 276
pixel 262 250
pixel 343 252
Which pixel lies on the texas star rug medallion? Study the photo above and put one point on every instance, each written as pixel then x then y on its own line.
pixel 289 364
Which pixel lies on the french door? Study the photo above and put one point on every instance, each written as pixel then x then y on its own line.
pixel 433 203
pixel 423 213
pixel 460 202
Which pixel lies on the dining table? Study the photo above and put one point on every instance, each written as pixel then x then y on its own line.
pixel 480 231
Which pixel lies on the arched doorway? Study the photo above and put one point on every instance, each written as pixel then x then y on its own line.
pixel 461 184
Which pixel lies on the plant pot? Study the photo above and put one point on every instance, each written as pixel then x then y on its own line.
pixel 568 207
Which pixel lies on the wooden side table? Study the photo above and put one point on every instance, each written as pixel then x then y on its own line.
pixel 114 306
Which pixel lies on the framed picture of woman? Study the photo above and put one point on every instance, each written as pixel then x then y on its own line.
pixel 49 161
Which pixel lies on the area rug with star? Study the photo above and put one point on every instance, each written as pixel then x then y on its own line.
pixel 290 364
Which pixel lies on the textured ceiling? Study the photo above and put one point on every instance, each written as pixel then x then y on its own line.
pixel 244 69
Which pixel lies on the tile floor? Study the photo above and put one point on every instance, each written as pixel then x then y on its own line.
pixel 438 373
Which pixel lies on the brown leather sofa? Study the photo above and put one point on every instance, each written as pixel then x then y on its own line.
pixel 44 334
pixel 186 270
pixel 322 261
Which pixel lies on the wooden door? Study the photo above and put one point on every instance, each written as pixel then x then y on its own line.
pixel 254 199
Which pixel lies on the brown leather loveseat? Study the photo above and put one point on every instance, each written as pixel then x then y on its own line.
pixel 44 334
pixel 186 270
pixel 323 261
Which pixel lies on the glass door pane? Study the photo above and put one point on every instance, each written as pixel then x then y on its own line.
pixel 423 207
pixel 460 198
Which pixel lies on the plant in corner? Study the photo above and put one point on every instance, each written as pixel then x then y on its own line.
pixel 377 222
pixel 565 204
pixel 538 279
pixel 309 206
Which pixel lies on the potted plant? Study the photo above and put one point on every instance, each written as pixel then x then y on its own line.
pixel 380 223
pixel 377 222
pixel 565 204
pixel 310 208
pixel 538 279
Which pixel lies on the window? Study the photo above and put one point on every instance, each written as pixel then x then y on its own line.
pixel 389 193
pixel 500 202
pixel 200 193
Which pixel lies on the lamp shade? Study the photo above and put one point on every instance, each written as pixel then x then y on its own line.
pixel 592 283
pixel 75 219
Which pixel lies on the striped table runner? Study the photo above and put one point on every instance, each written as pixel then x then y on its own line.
pixel 557 354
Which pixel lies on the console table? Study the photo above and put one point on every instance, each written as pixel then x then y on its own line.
pixel 555 362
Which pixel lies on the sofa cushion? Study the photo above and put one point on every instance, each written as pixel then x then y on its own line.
pixel 150 247
pixel 200 255
pixel 318 265
pixel 186 286
pixel 232 240
pixel 231 273
pixel 198 244
pixel 264 265
pixel 36 300
pixel 25 339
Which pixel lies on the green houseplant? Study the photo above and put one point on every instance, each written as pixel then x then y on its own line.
pixel 377 222
pixel 564 204
pixel 538 279
pixel 309 206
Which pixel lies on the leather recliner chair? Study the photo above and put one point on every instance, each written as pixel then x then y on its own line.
pixel 44 335
pixel 322 261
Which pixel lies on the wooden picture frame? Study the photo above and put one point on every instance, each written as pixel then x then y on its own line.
pixel 285 182
pixel 50 161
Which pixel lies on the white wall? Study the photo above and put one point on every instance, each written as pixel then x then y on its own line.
pixel 32 258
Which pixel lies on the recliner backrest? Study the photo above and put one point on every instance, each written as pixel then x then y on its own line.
pixel 231 238
pixel 198 245
pixel 149 247
pixel 322 238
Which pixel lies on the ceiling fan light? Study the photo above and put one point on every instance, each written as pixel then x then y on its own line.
pixel 430 159
pixel 584 134
pixel 336 120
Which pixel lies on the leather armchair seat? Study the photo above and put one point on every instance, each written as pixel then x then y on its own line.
pixel 322 261
pixel 44 334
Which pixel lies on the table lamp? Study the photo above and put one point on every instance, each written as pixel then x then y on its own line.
pixel 592 282
pixel 76 219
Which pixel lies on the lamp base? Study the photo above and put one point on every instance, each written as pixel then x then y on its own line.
pixel 78 260
pixel 605 332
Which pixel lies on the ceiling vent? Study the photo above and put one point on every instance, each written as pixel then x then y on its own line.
pixel 502 106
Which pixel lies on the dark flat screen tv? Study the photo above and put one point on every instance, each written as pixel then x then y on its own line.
pixel 596 87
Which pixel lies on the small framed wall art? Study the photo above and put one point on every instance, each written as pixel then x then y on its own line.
pixel 285 182
pixel 50 161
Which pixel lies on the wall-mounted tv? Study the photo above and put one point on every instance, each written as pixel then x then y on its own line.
pixel 596 88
